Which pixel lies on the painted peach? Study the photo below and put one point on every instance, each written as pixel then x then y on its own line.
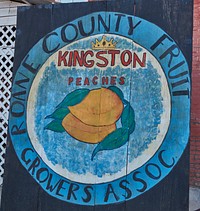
pixel 99 108
pixel 86 133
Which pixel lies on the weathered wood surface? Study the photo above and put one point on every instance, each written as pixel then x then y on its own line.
pixel 8 12
pixel 165 187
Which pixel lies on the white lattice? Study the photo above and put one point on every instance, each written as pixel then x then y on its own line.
pixel 7 42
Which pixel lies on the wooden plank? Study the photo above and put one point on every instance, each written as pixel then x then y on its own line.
pixel 9 20
pixel 10 4
pixel 8 12
pixel 100 108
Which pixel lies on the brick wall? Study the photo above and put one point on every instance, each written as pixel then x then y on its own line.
pixel 195 108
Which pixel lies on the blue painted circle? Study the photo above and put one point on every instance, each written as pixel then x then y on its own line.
pixel 136 182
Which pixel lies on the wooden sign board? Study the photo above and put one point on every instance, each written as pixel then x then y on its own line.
pixel 99 115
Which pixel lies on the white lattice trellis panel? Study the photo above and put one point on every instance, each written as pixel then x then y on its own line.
pixel 7 41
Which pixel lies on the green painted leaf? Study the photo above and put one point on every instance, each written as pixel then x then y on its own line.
pixel 128 118
pixel 112 141
pixel 125 102
pixel 59 113
pixel 74 98
pixel 117 91
pixel 55 126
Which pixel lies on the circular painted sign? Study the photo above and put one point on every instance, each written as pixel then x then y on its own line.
pixel 100 109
